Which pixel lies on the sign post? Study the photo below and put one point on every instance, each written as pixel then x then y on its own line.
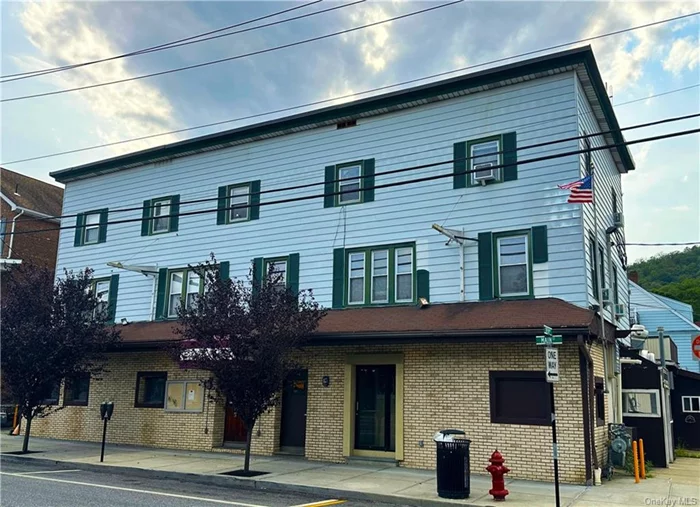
pixel 551 361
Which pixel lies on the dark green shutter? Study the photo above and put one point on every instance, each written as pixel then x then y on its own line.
pixel 224 270
pixel 293 272
pixel 160 299
pixel 102 236
pixel 510 157
pixel 485 266
pixel 329 187
pixel 112 301
pixel 368 182
pixel 460 165
pixel 145 217
pixel 175 213
pixel 79 223
pixel 423 284
pixel 258 275
pixel 540 252
pixel 221 206
pixel 338 277
pixel 255 200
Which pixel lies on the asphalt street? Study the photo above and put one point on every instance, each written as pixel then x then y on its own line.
pixel 41 484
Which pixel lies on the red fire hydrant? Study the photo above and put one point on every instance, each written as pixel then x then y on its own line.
pixel 497 471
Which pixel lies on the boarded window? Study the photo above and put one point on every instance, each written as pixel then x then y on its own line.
pixel 520 397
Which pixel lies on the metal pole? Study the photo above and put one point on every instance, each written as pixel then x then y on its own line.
pixel 555 449
pixel 104 437
pixel 662 347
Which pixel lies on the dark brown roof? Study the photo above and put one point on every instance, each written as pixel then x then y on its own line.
pixel 469 319
pixel 31 193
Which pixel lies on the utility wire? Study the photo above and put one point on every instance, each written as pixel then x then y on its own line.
pixel 397 171
pixel 688 243
pixel 176 44
pixel 325 101
pixel 396 183
pixel 231 58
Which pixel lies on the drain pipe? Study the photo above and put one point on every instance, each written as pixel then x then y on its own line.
pixel 12 238
pixel 591 396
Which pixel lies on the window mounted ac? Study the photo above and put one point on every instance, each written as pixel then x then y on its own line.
pixel 618 219
pixel 619 310
pixel 485 172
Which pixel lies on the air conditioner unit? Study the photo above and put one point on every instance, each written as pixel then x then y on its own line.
pixel 606 295
pixel 619 310
pixel 618 219
pixel 485 172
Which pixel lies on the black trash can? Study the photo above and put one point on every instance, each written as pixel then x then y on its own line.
pixel 452 464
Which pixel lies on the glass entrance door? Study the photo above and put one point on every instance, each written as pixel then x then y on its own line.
pixel 375 407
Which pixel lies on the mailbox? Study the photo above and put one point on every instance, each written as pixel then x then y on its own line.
pixel 106 410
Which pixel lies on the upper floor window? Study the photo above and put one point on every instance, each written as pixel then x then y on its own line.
pixel 91 228
pixel 184 285
pixel 486 160
pixel 349 183
pixel 380 275
pixel 160 215
pixel 594 266
pixel 239 202
pixel 284 270
pixel 601 266
pixel 278 270
pixel 105 291
pixel 513 264
pixel 691 403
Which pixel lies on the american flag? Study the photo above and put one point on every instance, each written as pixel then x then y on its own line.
pixel 581 190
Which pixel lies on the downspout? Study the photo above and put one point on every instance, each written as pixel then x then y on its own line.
pixel 588 421
pixel 12 237
pixel 462 288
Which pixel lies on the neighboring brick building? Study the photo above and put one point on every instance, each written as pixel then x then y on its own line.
pixel 423 333
pixel 28 205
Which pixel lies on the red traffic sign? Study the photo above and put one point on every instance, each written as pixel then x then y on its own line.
pixel 696 348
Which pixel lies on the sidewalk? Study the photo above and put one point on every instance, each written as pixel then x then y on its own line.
pixel 367 481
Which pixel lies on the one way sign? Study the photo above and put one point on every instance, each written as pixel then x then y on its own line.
pixel 551 356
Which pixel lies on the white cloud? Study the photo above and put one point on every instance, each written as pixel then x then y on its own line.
pixel 684 54
pixel 683 208
pixel 375 44
pixel 67 33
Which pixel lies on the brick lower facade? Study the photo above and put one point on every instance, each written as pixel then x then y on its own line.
pixel 444 386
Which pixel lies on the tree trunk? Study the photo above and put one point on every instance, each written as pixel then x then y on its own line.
pixel 248 440
pixel 25 444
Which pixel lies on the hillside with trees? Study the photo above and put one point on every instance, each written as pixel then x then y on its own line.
pixel 675 275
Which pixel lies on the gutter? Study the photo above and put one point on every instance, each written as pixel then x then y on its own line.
pixel 12 238
pixel 587 385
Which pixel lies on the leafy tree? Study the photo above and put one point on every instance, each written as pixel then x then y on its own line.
pixel 675 275
pixel 51 330
pixel 246 336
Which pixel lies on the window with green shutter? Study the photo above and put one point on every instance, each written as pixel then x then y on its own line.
pixel 285 271
pixel 593 266
pixel 239 202
pixel 485 161
pixel 178 286
pixel 160 215
pixel 106 291
pixel 91 227
pixel 349 183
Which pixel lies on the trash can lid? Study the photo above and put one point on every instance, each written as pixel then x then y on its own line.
pixel 452 432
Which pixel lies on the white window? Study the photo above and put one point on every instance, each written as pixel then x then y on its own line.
pixel 691 403
pixel 513 266
pixel 484 156
pixel 92 229
pixel 278 269
pixel 380 276
pixel 184 396
pixel 102 295
pixel 404 274
pixel 193 288
pixel 161 220
pixel 239 201
pixel 640 403
pixel 356 274
pixel 349 184
pixel 175 292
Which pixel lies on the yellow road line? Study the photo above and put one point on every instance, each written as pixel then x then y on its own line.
pixel 322 503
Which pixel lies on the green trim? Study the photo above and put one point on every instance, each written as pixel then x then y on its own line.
pixel 112 298
pixel 258 274
pixel 148 219
pixel 79 223
pixel 293 272
pixel 601 266
pixel 423 284
pixel 540 250
pixel 368 180
pixel 459 166
pixel 226 208
pixel 485 266
pixel 510 156
pixel 266 267
pixel 254 200
pixel 160 299
pixel 616 288
pixel 473 142
pixel 329 186
pixel 183 293
pixel 336 183
pixel 496 265
pixel 372 105
pixel 593 246
pixel 338 277
pixel 111 306
pixel 81 228
pixel 391 273
pixel 224 268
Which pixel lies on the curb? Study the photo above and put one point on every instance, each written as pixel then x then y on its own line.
pixel 242 483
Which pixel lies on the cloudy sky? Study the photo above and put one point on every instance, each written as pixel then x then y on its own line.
pixel 661 197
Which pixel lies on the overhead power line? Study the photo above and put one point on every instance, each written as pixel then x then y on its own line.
pixel 687 243
pixel 186 41
pixel 236 57
pixel 421 179
pixel 372 90
pixel 401 170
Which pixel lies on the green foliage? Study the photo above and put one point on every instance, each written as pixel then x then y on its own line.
pixel 687 453
pixel 675 275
